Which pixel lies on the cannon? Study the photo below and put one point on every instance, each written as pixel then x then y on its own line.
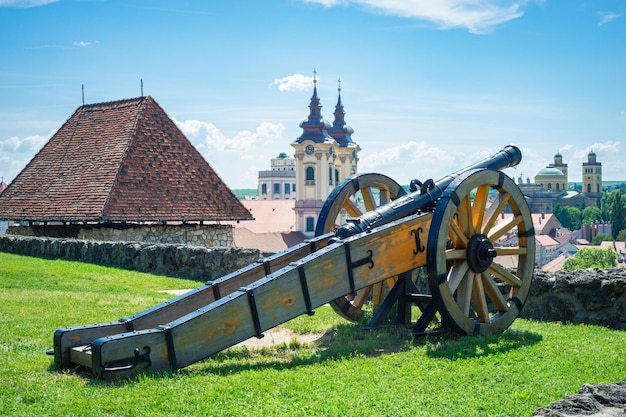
pixel 471 231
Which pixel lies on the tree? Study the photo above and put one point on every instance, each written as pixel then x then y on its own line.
pixel 618 215
pixel 600 237
pixel 591 258
pixel 621 236
pixel 591 214
pixel 568 216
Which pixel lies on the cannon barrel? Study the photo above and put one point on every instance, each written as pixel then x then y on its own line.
pixel 409 204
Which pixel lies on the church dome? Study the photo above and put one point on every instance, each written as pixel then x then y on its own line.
pixel 550 172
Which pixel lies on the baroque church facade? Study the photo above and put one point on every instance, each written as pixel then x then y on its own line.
pixel 325 155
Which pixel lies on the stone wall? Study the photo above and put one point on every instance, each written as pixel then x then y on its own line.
pixel 593 296
pixel 186 261
pixel 209 235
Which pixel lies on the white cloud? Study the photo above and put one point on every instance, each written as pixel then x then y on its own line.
pixel 15 153
pixel 477 16
pixel 208 138
pixel 28 144
pixel 608 17
pixel 295 82
pixel 607 148
pixel 237 158
pixel 411 160
pixel 83 44
pixel 25 3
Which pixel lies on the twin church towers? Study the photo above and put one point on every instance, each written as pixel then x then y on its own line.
pixel 324 156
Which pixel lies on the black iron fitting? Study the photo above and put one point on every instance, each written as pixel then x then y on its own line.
pixel 132 362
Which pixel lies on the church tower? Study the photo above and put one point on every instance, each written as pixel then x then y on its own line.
pixel 592 175
pixel 325 155
pixel 558 164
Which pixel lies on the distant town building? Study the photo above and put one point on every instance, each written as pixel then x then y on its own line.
pixel 279 182
pixel 325 155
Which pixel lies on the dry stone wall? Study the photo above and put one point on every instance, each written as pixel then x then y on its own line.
pixel 592 296
pixel 193 262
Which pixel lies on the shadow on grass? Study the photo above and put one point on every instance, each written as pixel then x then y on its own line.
pixel 342 342
pixel 466 347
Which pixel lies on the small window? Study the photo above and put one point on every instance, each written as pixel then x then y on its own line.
pixel 310 174
pixel 310 224
pixel 287 188
pixel 277 188
pixel 263 188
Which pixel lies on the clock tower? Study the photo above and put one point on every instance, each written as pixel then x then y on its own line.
pixel 325 155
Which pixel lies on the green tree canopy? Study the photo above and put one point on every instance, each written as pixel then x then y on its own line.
pixel 618 214
pixel 569 217
pixel 601 237
pixel 591 214
pixel 591 258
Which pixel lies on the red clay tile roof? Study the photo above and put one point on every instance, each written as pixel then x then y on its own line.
pixel 119 161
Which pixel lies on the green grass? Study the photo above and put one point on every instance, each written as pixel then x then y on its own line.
pixel 352 372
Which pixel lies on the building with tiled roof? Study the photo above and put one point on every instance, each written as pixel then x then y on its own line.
pixel 119 162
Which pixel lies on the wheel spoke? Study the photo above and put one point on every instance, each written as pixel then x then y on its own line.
pixel 494 294
pixel 502 228
pixel 361 296
pixel 464 293
pixel 456 254
pixel 465 221
pixel 351 208
pixel 459 238
pixel 385 197
pixel 457 272
pixel 368 198
pixel 480 203
pixel 480 302
pixel 495 209
pixel 499 272
pixel 511 251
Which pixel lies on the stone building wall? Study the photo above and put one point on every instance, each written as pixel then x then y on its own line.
pixel 211 235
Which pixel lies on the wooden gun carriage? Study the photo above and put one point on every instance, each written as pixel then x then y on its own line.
pixel 370 237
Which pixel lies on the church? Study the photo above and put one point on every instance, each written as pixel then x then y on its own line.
pixel 324 155
pixel 551 186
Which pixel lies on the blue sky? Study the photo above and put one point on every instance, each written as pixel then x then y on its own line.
pixel 428 86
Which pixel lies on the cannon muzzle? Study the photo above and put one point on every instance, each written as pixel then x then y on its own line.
pixel 412 203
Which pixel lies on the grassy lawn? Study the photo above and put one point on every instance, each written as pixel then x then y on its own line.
pixel 352 372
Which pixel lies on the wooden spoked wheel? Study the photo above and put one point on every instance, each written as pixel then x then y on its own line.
pixel 481 252
pixel 355 196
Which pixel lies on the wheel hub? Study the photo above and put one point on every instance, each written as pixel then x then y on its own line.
pixel 480 253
